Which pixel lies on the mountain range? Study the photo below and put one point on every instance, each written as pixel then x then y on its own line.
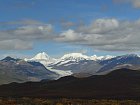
pixel 18 70
pixel 118 84
pixel 42 66
pixel 83 65
pixel 72 63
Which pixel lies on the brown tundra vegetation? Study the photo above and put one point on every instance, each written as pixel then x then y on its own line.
pixel 41 101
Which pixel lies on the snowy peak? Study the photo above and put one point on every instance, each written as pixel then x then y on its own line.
pixel 75 57
pixel 41 56
pixel 95 57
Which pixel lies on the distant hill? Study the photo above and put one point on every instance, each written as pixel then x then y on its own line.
pixel 17 70
pixel 121 84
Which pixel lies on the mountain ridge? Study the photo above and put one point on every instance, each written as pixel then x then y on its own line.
pixel 118 84
pixel 77 64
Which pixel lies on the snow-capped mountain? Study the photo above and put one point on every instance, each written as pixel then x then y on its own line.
pixel 43 58
pixel 46 60
pixel 96 58
pixel 80 56
pixel 76 63
pixel 124 61
pixel 43 66
pixel 71 58
pixel 75 57
pixel 42 55
pixel 82 64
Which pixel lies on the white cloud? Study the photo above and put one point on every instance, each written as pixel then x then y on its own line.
pixel 102 25
pixel 101 34
pixel 33 32
pixel 106 34
pixel 69 35
pixel 24 33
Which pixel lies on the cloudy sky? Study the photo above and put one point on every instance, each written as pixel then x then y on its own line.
pixel 101 27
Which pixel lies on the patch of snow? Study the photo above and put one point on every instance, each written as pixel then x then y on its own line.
pixel 95 57
pixel 61 62
pixel 60 72
pixel 43 58
pixel 75 57
pixel 70 64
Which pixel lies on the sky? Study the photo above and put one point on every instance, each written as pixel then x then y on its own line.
pixel 57 27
